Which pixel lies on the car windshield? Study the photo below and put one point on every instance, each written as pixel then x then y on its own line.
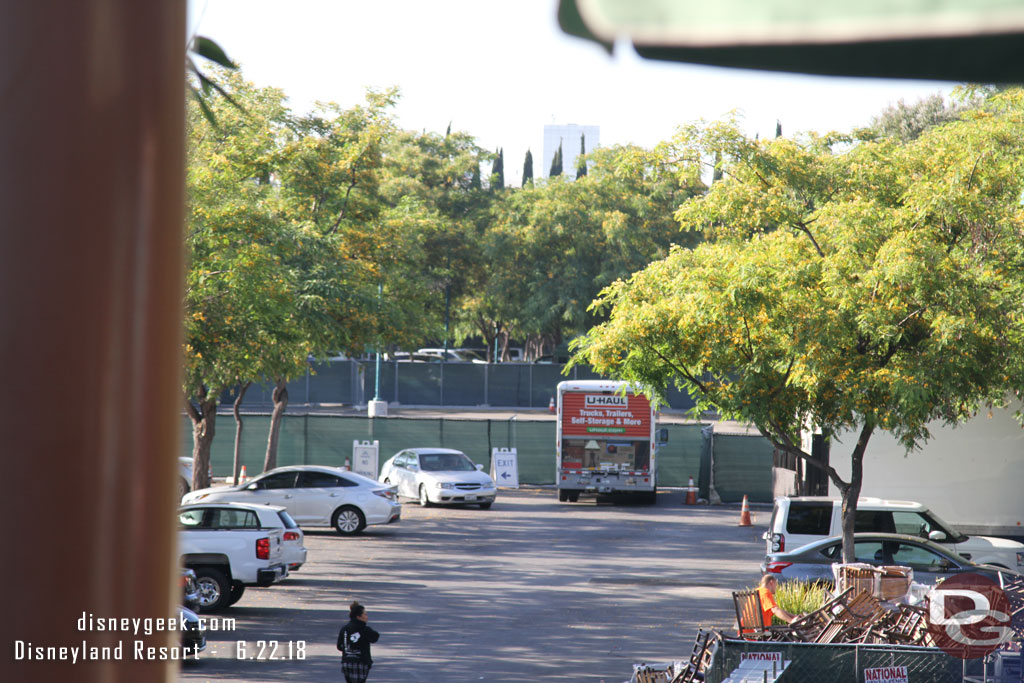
pixel 446 462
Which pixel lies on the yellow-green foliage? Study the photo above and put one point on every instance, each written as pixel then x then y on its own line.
pixel 800 597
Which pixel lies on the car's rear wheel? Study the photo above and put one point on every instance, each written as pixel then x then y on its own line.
pixel 348 521
pixel 237 589
pixel 214 589
pixel 183 487
pixel 424 499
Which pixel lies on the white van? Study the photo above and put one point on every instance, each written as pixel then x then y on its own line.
pixel 797 521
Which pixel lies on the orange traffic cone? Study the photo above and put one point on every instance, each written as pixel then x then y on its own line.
pixel 745 513
pixel 691 493
pixel 242 476
pixel 551 405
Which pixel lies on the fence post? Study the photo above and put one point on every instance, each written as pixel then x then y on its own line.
pixel 487 397
pixel 440 386
pixel 441 429
pixel 397 401
pixel 529 388
pixel 308 373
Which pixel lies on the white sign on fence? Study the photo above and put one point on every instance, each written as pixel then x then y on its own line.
pixel 364 458
pixel 888 674
pixel 505 467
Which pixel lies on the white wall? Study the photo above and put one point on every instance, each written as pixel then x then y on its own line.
pixel 971 475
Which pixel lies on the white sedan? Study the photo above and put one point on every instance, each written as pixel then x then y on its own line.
pixel 438 475
pixel 314 496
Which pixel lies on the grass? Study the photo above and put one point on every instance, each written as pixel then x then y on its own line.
pixel 800 597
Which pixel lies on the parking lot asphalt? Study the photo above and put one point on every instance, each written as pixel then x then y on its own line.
pixel 529 590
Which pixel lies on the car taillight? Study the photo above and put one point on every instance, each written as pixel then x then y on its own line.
pixel 776 567
pixel 385 493
pixel 778 543
pixel 263 549
pixel 291 536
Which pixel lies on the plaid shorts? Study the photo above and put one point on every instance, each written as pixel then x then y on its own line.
pixel 355 672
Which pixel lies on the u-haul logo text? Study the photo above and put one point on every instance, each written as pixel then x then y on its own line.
pixel 602 401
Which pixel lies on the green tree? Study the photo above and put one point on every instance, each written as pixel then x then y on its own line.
pixel 498 171
pixel 556 244
pixel 556 163
pixel 235 283
pixel 856 288
pixel 581 160
pixel 528 168
pixel 906 122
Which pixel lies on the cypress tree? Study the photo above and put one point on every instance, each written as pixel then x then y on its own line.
pixel 528 168
pixel 474 182
pixel 498 171
pixel 556 162
pixel 778 128
pixel 581 164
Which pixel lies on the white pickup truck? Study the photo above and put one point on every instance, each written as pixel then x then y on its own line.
pixel 231 546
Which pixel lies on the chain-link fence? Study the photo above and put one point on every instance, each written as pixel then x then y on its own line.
pixel 842 663
pixel 351 382
pixel 327 440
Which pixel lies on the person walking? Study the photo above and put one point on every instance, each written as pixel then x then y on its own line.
pixel 354 642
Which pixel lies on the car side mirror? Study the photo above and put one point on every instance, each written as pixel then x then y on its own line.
pixel 479 467
pixel 937 535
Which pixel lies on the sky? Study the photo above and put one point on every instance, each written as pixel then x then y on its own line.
pixel 501 70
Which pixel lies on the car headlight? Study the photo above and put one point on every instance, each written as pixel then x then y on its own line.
pixel 444 485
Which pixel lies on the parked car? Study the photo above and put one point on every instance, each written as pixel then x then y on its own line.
pixel 452 355
pixel 184 476
pixel 293 550
pixel 294 542
pixel 797 521
pixel 438 476
pixel 315 495
pixel 230 546
pixel 929 560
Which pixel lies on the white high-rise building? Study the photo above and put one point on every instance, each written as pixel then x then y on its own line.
pixel 569 135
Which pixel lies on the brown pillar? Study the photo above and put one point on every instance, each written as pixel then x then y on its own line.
pixel 91 197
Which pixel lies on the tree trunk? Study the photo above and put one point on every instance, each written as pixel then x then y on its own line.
pixel 236 410
pixel 851 492
pixel 204 426
pixel 280 396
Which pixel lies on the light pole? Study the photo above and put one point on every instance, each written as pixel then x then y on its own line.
pixel 377 407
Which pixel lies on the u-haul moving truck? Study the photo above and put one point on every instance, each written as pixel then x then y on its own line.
pixel 604 441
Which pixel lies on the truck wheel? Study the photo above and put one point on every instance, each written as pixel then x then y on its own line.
pixel 214 589
pixel 348 521
pixel 563 495
pixel 424 499
pixel 573 496
pixel 237 588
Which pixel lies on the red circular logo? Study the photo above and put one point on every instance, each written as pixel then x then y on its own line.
pixel 969 616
